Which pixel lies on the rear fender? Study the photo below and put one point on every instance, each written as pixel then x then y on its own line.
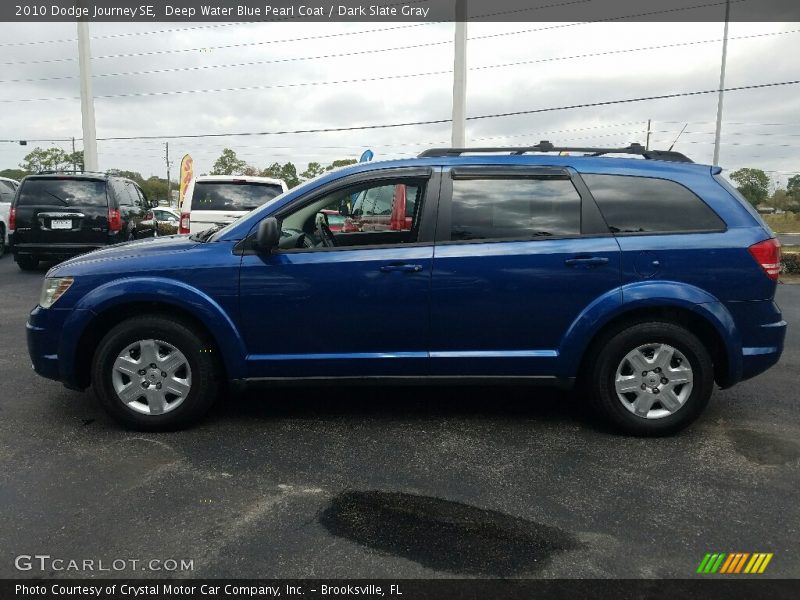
pixel 650 294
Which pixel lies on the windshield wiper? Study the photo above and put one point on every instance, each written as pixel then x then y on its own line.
pixel 202 236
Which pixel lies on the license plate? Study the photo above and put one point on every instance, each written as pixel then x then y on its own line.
pixel 61 224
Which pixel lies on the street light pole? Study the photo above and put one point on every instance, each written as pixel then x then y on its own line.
pixel 458 136
pixel 718 131
pixel 87 98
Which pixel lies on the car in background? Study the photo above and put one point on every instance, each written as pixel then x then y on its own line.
pixel 165 220
pixel 55 216
pixel 8 187
pixel 334 218
pixel 214 200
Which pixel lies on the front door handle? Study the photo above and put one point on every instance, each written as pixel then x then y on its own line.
pixel 588 261
pixel 404 268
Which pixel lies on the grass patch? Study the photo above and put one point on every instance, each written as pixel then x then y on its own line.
pixel 788 222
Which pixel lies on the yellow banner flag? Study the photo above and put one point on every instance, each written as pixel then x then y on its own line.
pixel 187 171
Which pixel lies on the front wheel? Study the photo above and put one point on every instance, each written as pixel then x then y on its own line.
pixel 652 378
pixel 152 373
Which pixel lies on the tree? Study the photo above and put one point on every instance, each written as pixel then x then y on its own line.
pixel 314 169
pixel 342 162
pixel 51 159
pixel 287 172
pixel 14 173
pixel 228 164
pixel 793 187
pixel 753 184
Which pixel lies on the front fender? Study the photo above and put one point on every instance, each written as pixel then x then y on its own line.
pixel 651 294
pixel 162 291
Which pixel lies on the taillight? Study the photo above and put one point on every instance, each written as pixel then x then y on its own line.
pixel 768 255
pixel 184 226
pixel 114 220
pixel 12 220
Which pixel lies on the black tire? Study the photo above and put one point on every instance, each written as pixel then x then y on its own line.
pixel 205 370
pixel 610 353
pixel 26 262
pixel 2 240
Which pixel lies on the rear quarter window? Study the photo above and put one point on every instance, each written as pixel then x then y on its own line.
pixel 633 204
pixel 62 192
pixel 217 195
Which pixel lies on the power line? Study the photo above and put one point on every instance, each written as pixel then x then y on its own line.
pixel 242 64
pixel 443 121
pixel 377 30
pixel 397 48
pixel 221 47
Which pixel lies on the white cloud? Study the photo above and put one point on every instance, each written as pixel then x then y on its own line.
pixel 747 141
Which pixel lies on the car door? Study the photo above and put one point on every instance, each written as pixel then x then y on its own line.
pixel 359 308
pixel 520 253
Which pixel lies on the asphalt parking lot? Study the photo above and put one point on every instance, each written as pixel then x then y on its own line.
pixel 399 482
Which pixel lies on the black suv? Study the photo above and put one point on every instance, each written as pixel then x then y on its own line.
pixel 58 215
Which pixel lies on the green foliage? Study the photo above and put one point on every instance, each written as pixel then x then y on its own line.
pixel 155 188
pixel 287 172
pixel 793 187
pixel 228 164
pixel 14 173
pixel 790 263
pixel 314 169
pixel 51 159
pixel 343 162
pixel 753 184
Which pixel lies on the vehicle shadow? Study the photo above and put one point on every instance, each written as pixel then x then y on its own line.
pixel 406 402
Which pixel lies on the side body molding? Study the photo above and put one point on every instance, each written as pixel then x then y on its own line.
pixel 163 291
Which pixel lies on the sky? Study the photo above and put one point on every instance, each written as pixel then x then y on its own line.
pixel 153 80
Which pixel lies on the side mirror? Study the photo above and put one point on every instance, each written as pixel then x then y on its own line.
pixel 268 234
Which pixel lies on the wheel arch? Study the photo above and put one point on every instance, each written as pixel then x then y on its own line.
pixel 672 302
pixel 110 304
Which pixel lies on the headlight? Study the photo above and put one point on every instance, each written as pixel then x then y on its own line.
pixel 53 289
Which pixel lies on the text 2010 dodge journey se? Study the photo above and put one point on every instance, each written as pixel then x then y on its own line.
pixel 643 281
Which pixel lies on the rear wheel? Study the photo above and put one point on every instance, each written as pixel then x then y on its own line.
pixel 152 373
pixel 27 262
pixel 652 378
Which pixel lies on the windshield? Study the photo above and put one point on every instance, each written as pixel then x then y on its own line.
pixel 232 195
pixel 62 192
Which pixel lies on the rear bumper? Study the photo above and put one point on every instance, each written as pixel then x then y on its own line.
pixel 763 331
pixel 54 250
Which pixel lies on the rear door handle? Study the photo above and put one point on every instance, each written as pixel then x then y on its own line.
pixel 404 268
pixel 589 261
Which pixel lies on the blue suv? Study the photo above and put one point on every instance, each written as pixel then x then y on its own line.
pixel 639 280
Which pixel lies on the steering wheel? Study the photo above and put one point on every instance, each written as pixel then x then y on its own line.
pixel 325 234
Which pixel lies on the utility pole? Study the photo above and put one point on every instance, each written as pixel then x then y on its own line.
pixel 647 142
pixel 169 183
pixel 458 136
pixel 74 163
pixel 718 131
pixel 87 98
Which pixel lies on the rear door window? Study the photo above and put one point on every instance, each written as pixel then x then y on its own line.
pixel 62 192
pixel 648 205
pixel 514 209
pixel 6 191
pixel 231 195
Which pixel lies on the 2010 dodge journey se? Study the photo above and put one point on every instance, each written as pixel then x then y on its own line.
pixel 641 280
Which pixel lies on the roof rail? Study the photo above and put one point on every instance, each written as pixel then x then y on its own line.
pixel 70 172
pixel 545 146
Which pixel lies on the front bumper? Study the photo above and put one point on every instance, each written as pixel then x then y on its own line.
pixel 43 332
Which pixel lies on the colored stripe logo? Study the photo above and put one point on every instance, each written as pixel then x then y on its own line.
pixel 734 563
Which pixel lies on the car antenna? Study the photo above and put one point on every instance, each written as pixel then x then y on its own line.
pixel 677 138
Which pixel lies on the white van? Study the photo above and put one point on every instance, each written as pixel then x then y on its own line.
pixel 221 199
